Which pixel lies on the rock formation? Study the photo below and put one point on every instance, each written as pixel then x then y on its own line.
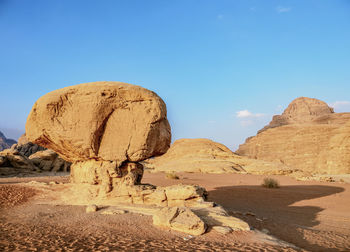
pixel 206 156
pixel 5 143
pixel 109 121
pixel 12 163
pixel 32 157
pixel 308 136
pixel 25 147
pixel 48 160
pixel 106 129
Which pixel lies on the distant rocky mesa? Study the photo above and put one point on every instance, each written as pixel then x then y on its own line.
pixel 307 136
pixel 5 143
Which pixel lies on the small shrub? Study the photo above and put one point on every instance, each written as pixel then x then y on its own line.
pixel 172 176
pixel 270 183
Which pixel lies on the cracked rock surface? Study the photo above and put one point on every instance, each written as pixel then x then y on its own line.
pixel 110 121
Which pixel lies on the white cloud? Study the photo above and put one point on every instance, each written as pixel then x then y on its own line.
pixel 282 9
pixel 220 16
pixel 341 106
pixel 247 114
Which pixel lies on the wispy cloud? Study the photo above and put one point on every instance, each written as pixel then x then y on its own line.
pixel 247 114
pixel 282 9
pixel 220 16
pixel 341 106
pixel 247 118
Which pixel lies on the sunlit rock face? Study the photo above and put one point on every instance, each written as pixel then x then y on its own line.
pixel 307 136
pixel 102 126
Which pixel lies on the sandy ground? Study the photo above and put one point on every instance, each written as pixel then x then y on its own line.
pixel 314 216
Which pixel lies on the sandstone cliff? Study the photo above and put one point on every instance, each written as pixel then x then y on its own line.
pixel 308 136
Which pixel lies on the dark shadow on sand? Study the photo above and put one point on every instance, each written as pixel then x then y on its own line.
pixel 273 211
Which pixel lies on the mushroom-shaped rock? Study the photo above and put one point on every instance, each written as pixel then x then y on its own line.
pixel 101 120
pixel 103 128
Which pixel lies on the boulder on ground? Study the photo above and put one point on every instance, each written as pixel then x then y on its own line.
pixel 104 128
pixel 181 219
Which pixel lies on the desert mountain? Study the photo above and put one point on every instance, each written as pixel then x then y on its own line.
pixel 308 136
pixel 207 156
pixel 5 143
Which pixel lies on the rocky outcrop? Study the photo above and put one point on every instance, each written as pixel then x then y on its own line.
pixel 48 160
pixel 207 156
pixel 42 158
pixel 25 147
pixel 308 136
pixel 101 120
pixel 12 163
pixel 300 111
pixel 5 143
pixel 106 129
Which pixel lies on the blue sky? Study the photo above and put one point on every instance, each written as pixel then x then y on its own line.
pixel 223 67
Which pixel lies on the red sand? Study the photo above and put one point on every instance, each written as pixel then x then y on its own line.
pixel 311 215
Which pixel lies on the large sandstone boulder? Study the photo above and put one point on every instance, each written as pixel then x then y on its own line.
pixel 308 136
pixel 101 120
pixel 5 143
pixel 207 156
pixel 104 128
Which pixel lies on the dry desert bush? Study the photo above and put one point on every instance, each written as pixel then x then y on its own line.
pixel 270 183
pixel 172 175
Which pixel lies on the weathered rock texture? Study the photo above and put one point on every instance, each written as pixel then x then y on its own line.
pixel 180 219
pixel 106 129
pixel 111 121
pixel 206 156
pixel 301 110
pixel 5 143
pixel 308 136
pixel 48 160
pixel 42 158
pixel 179 207
pixel 25 147
pixel 12 163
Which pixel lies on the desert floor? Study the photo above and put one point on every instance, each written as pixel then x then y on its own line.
pixel 313 216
